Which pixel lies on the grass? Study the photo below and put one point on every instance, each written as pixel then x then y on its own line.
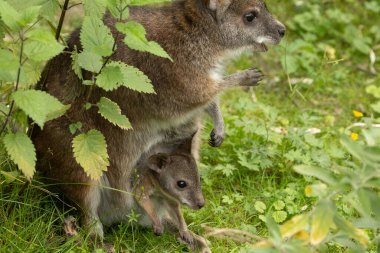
pixel 255 163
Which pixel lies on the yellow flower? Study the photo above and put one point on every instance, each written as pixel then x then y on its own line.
pixel 357 114
pixel 308 191
pixel 355 136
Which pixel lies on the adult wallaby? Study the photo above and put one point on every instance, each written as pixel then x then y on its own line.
pixel 198 34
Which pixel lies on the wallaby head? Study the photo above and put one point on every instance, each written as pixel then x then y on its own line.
pixel 178 177
pixel 244 23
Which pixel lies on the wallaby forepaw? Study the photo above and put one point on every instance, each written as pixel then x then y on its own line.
pixel 216 139
pixel 158 230
pixel 251 77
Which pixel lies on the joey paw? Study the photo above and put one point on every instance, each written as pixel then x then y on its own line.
pixel 216 139
pixel 251 77
pixel 158 229
pixel 188 238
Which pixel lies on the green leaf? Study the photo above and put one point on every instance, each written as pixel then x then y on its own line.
pixel 279 205
pixel 49 9
pixel 90 61
pixel 279 216
pixel 29 16
pixel 75 64
pixel 39 105
pixel 90 151
pixel 118 8
pixel 321 222
pixel 74 127
pixel 135 39
pixel 8 65
pixel 111 112
pixel 116 74
pixel 112 76
pixel 260 206
pixel 136 80
pixel 21 150
pixel 346 227
pixel 9 15
pixel 273 228
pixel 293 226
pixel 317 172
pixel 94 8
pixel 96 37
pixel 41 45
pixel 147 2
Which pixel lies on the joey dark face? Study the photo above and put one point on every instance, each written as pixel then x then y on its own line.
pixel 245 23
pixel 178 176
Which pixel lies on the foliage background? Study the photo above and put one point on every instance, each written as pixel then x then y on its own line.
pixel 299 120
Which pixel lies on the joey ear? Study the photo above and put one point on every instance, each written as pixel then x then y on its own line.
pixel 158 161
pixel 186 144
pixel 218 7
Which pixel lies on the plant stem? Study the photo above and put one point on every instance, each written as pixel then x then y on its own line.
pixel 17 84
pixel 61 19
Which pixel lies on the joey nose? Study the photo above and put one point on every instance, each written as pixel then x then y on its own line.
pixel 201 203
pixel 282 31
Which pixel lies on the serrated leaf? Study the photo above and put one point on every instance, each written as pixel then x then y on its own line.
pixel 75 65
pixel 74 127
pixel 111 76
pixel 90 61
pixel 118 8
pixel 135 39
pixel 41 45
pixel 21 150
pixel 260 206
pixel 90 151
pixel 317 172
pixel 49 9
pixel 96 37
pixel 111 112
pixel 321 222
pixel 9 15
pixel 39 105
pixel 117 74
pixel 94 8
pixel 147 2
pixel 136 80
pixel 29 16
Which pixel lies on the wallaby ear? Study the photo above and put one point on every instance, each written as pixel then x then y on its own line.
pixel 186 144
pixel 218 7
pixel 158 161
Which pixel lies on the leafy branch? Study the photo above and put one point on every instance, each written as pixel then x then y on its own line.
pixel 17 83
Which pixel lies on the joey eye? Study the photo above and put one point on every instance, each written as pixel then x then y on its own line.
pixel 181 184
pixel 250 16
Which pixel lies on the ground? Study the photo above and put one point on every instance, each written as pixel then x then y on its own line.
pixel 314 80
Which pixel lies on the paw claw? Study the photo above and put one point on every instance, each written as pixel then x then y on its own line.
pixel 216 140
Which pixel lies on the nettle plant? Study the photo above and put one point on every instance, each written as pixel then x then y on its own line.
pixel 30 38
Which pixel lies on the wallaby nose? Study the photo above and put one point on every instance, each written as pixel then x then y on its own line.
pixel 282 31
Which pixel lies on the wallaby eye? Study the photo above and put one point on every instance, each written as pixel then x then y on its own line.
pixel 181 184
pixel 250 16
